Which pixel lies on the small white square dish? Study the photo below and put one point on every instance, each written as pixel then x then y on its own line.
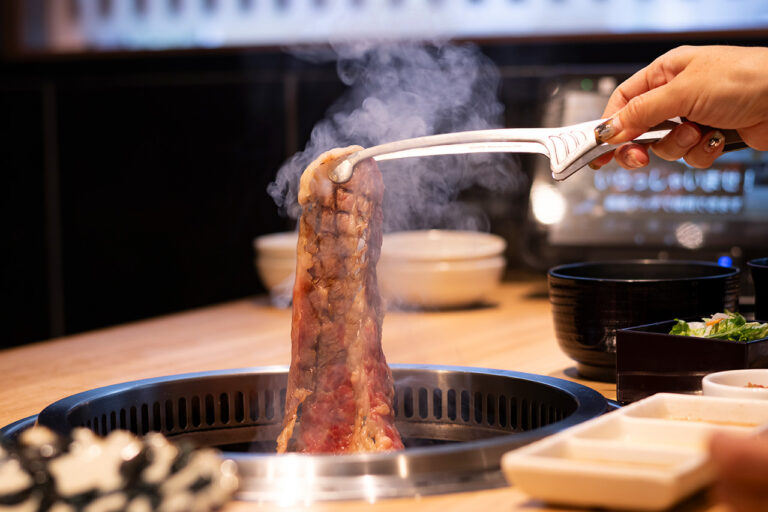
pixel 646 456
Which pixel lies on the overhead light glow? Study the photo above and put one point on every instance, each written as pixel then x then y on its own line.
pixel 690 235
pixel 547 203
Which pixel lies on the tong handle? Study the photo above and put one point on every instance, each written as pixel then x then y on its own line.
pixel 587 154
pixel 733 141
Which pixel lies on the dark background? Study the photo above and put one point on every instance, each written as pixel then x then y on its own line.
pixel 134 184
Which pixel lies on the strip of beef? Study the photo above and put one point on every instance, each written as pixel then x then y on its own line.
pixel 338 373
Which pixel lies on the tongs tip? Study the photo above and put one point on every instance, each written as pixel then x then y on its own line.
pixel 342 173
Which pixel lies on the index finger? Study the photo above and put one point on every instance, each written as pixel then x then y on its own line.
pixel 659 72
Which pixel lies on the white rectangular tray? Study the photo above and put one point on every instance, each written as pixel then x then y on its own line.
pixel 646 456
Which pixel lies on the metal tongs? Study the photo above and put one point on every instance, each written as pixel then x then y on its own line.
pixel 569 148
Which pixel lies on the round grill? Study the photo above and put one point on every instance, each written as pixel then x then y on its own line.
pixel 456 422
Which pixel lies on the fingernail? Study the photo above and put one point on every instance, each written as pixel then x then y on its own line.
pixel 628 157
pixel 608 129
pixel 632 161
pixel 715 141
pixel 686 136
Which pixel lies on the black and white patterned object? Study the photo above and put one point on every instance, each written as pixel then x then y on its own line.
pixel 120 472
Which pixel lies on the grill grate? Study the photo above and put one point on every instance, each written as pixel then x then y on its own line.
pixel 226 409
pixel 455 423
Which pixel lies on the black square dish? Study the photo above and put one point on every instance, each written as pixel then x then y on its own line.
pixel 649 360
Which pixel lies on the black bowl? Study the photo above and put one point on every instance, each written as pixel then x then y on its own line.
pixel 590 301
pixel 759 269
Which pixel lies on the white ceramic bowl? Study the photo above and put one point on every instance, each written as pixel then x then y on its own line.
pixel 439 284
pixel 277 244
pixel 431 268
pixel 276 260
pixel 439 268
pixel 440 245
pixel 736 384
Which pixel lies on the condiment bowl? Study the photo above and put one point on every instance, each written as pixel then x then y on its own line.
pixel 590 301
pixel 751 383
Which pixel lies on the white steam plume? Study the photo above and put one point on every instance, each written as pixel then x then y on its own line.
pixel 407 90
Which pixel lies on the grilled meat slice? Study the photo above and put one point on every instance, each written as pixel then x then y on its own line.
pixel 338 376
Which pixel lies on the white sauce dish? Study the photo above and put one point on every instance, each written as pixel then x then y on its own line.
pixel 750 384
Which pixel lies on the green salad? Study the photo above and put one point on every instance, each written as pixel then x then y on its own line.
pixel 722 326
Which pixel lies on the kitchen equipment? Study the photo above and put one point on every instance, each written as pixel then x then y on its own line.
pixel 456 423
pixel 569 148
pixel 665 209
pixel 759 270
pixel 590 301
pixel 646 456
pixel 750 384
pixel 439 268
pixel 650 360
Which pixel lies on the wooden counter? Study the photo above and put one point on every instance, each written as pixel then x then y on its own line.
pixel 513 332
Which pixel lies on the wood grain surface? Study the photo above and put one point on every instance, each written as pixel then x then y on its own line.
pixel 513 331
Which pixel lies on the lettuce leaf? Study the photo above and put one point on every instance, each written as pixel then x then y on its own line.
pixel 722 326
pixel 681 328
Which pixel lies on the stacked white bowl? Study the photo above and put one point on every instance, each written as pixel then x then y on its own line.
pixel 430 268
pixel 276 264
pixel 440 268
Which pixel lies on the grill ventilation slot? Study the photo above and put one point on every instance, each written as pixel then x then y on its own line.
pixel 476 409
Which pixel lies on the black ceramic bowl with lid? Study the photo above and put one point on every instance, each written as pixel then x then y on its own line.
pixel 591 300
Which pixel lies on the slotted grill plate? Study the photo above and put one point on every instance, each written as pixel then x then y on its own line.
pixel 456 423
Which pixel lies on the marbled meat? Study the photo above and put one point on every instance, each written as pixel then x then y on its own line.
pixel 339 379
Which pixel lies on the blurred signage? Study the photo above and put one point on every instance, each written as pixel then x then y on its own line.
pixel 83 25
pixel 677 190
pixel 666 204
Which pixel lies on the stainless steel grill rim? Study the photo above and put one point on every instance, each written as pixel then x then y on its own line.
pixel 456 422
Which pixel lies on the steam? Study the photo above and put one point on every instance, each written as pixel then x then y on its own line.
pixel 399 91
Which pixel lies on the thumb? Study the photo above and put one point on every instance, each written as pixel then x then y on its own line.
pixel 644 111
pixel 756 136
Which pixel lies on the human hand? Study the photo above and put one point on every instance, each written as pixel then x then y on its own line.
pixel 741 464
pixel 722 86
